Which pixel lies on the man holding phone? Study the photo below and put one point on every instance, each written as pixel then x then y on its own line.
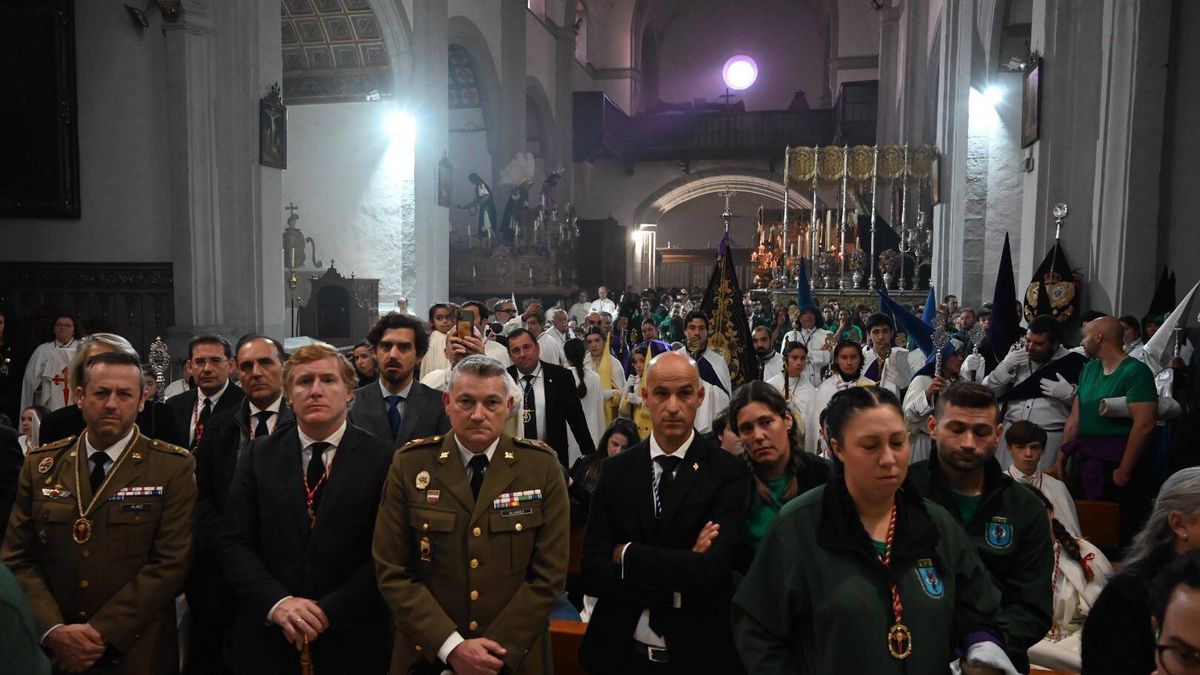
pixel 472 320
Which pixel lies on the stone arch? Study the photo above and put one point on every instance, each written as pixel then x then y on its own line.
pixel 463 32
pixel 536 97
pixel 711 181
pixel 397 36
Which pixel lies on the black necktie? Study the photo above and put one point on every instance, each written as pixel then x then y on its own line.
pixel 530 413
pixel 478 466
pixel 668 465
pixel 205 412
pixel 261 429
pixel 100 460
pixel 316 470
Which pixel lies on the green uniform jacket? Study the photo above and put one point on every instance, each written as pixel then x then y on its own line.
pixel 447 562
pixel 817 600
pixel 124 580
pixel 1011 533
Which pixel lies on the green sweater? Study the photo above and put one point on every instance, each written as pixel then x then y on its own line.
pixel 817 600
pixel 1132 379
pixel 19 642
pixel 1011 535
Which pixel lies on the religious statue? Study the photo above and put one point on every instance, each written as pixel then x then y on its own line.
pixel 519 175
pixel 549 206
pixel 484 207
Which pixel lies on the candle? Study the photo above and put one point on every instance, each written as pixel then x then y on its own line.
pixel 293 257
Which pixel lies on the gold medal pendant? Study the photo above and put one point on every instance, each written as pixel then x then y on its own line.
pixel 81 531
pixel 899 641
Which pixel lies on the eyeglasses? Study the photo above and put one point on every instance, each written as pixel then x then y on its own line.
pixel 1178 660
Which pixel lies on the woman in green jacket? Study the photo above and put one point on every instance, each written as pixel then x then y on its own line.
pixel 762 419
pixel 862 575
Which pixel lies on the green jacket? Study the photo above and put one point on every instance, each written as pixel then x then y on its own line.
pixel 1011 534
pixel 817 600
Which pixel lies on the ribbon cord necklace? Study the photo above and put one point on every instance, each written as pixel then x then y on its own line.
pixel 310 494
pixel 899 638
pixel 81 530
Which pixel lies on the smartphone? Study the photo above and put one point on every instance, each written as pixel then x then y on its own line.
pixel 466 323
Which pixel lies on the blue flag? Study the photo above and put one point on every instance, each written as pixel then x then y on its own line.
pixel 919 332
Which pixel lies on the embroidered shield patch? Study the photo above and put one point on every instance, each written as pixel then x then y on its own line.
pixel 931 581
pixel 999 535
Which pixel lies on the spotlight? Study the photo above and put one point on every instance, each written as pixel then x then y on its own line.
pixel 400 124
pixel 994 94
pixel 740 72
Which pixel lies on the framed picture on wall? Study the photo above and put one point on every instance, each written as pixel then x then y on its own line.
pixel 1031 101
pixel 272 129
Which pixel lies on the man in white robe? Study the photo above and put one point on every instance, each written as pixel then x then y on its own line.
pixel 45 382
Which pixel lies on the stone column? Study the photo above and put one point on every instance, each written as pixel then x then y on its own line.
pixel 426 272
pixel 564 88
pixel 512 82
pixel 949 236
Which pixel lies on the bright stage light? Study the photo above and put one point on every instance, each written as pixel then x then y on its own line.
pixel 401 125
pixel 994 94
pixel 740 72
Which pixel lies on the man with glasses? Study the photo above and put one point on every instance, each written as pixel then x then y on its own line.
pixel 210 361
pixel 1175 602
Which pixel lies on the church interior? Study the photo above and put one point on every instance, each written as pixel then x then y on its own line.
pixel 169 140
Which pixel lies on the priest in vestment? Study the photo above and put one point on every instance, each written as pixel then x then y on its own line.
pixel 45 381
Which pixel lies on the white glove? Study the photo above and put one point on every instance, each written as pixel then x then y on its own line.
pixel 973 363
pixel 1014 361
pixel 1058 388
pixel 633 398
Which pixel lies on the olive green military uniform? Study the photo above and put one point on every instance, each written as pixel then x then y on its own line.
pixel 817 599
pixel 124 578
pixel 1011 534
pixel 492 567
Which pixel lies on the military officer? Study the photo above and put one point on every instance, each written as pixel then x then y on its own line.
pixel 101 532
pixel 471 542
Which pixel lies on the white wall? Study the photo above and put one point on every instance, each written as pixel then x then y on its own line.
pixel 125 195
pixel 354 187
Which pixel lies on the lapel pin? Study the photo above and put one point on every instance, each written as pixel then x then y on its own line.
pixel 45 465
pixel 432 496
pixel 509 455
pixel 695 466
pixel 422 480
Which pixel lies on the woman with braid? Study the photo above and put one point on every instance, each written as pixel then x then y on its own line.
pixel 798 391
pixel 1080 572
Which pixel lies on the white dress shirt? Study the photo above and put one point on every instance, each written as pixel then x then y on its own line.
pixel 201 397
pixel 604 305
pixel 642 632
pixel 272 421
pixel 466 456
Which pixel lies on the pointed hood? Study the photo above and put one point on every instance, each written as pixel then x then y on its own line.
pixel 804 296
pixel 1158 348
pixel 919 332
pixel 1164 295
pixel 1004 327
pixel 929 315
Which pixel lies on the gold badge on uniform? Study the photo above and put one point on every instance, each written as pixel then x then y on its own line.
pixel 526 416
pixel 426 550
pixel 509 455
pixel 696 466
pixel 45 465
pixel 422 480
pixel 444 456
pixel 432 496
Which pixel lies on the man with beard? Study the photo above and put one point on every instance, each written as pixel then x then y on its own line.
pixel 815 340
pixel 1005 520
pixel 922 394
pixel 770 363
pixel 397 409
pixel 1037 383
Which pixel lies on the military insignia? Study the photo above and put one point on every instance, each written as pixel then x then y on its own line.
pixel 426 550
pixel 422 480
pixel 432 496
pixel 695 466
pixel 526 416
pixel 45 465
pixel 999 534
pixel 444 456
pixel 135 454
pixel 509 455
pixel 931 581
pixel 56 492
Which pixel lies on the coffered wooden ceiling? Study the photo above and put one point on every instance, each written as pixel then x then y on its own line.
pixel 333 50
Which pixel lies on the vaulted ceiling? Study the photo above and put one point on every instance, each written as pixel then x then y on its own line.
pixel 333 50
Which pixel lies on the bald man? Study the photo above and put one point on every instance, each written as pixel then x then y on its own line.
pixel 1104 453
pixel 665 526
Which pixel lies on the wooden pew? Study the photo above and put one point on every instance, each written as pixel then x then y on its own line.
pixel 1100 522
pixel 565 637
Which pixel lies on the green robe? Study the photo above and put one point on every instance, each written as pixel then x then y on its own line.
pixel 817 600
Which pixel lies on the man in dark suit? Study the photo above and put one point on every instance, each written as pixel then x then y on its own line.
pixel 549 399
pixel 209 360
pixel 397 408
pixel 663 607
pixel 11 459
pixel 154 421
pixel 302 511
pixel 259 362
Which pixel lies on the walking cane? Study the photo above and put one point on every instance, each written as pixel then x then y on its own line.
pixel 306 664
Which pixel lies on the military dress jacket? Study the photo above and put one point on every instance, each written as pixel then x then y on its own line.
pixel 1011 534
pixel 124 578
pixel 490 567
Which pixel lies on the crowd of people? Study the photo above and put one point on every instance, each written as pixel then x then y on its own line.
pixel 409 504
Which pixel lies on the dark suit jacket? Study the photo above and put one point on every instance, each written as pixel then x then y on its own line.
pixel 183 406
pixel 11 460
pixel 424 414
pixel 156 420
pixel 270 553
pixel 209 596
pixel 562 409
pixel 710 484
